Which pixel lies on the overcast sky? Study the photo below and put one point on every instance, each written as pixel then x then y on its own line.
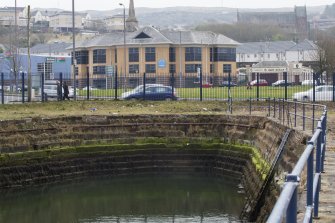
pixel 112 4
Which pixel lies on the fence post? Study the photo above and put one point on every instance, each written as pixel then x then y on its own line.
pixel 257 86
pixel 314 75
pixel 116 85
pixel 42 88
pixel 250 106
pixel 61 84
pixel 2 89
pixel 285 78
pixel 199 72
pixel 334 87
pixel 291 213
pixel 22 89
pixel 269 107
pixel 310 176
pixel 303 116
pixel 144 84
pixel 274 107
pixel 324 140
pixel 295 114
pixel 88 85
pixel 313 119
pixel 172 84
pixel 283 110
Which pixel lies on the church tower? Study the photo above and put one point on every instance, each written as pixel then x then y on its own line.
pixel 131 23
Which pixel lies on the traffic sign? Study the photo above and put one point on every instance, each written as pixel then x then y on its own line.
pixel 50 59
pixel 110 70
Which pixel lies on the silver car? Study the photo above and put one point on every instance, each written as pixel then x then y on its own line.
pixel 322 93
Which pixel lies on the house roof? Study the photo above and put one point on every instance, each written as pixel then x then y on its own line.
pixel 52 48
pixel 265 47
pixel 304 45
pixel 271 64
pixel 20 9
pixel 157 37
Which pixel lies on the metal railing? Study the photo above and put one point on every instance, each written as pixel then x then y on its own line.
pixel 188 86
pixel 287 204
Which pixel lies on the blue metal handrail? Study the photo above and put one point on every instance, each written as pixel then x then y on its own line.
pixel 287 201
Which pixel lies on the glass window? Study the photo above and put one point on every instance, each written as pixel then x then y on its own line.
pixel 82 57
pixel 150 54
pixel 133 68
pixel 227 68
pixel 99 56
pixel 99 70
pixel 172 68
pixel 212 68
pixel 192 68
pixel 115 52
pixel 223 54
pixel 133 55
pixel 172 54
pixel 150 68
pixel 192 54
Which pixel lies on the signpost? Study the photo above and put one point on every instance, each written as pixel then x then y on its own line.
pixel 109 72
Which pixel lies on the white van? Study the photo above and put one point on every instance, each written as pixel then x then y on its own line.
pixel 51 91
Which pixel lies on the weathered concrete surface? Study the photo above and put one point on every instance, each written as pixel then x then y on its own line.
pixel 327 195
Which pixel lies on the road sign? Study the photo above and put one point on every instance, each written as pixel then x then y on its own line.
pixel 110 70
pixel 50 59
pixel 60 59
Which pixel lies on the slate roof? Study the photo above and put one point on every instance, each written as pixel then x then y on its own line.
pixel 59 47
pixel 275 47
pixel 271 64
pixel 265 47
pixel 157 37
pixel 304 45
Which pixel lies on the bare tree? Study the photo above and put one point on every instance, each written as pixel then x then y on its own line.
pixel 325 55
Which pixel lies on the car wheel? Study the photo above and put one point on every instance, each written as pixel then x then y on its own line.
pixel 305 98
pixel 132 99
pixel 168 99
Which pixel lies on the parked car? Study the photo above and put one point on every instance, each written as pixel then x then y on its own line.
pixel 89 88
pixel 205 84
pixel 226 84
pixel 308 82
pixel 51 91
pixel 322 93
pixel 281 83
pixel 160 92
pixel 261 82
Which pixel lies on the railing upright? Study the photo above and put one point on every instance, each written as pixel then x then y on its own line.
pixel 295 114
pixel 144 85
pixel 116 84
pixel 274 108
pixel 2 89
pixel 22 87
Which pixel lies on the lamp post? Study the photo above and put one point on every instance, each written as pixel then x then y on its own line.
pixel 74 53
pixel 124 42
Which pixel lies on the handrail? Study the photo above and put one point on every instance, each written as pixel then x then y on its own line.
pixel 286 204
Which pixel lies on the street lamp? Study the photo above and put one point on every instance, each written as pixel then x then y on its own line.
pixel 74 53
pixel 124 41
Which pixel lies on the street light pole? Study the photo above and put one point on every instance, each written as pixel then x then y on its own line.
pixel 74 53
pixel 124 43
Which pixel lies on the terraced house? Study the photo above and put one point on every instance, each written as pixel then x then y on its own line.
pixel 155 52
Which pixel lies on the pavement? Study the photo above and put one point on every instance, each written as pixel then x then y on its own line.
pixel 327 193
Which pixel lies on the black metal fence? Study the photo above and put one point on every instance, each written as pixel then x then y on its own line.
pixel 182 86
